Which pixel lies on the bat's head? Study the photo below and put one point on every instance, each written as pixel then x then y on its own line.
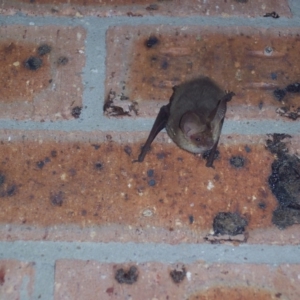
pixel 203 130
pixel 197 131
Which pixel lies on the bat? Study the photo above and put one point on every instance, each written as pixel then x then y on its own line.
pixel 193 118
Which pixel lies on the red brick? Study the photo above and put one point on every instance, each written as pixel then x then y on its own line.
pixel 56 182
pixel 51 91
pixel 16 279
pixel 233 56
pixel 85 279
pixel 147 7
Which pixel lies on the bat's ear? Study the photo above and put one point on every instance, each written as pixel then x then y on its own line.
pixel 174 88
pixel 190 123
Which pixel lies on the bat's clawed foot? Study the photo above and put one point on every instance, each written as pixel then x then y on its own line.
pixel 210 165
pixel 140 159
pixel 228 95
pixel 210 156
pixel 141 156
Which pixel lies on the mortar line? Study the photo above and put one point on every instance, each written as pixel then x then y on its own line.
pixel 105 22
pixel 44 281
pixel 48 252
pixel 245 127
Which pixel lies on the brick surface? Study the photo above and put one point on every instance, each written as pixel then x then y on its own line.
pixel 90 279
pixel 250 62
pixel 40 78
pixel 74 204
pixel 141 8
pixel 16 279
pixel 64 183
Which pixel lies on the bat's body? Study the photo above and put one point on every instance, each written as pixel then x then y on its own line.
pixel 193 118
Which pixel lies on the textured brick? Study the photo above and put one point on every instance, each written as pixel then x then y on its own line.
pixel 16 279
pixel 87 279
pixel 147 7
pixel 40 76
pixel 145 62
pixel 55 182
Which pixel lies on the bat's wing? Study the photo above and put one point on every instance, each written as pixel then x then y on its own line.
pixel 218 116
pixel 212 152
pixel 159 124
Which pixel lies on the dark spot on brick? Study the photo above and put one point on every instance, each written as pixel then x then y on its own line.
pixel 152 182
pixel 272 14
pixel 279 94
pixel 229 223
pixel 128 277
pixel 274 144
pixel 128 150
pixel 33 63
pixel 96 146
pixel 47 160
pixel 150 173
pixel 57 199
pixel 11 190
pixel 161 155
pixel 62 61
pixel 273 76
pixel 284 217
pixel 123 97
pixel 278 295
pixel 191 219
pixel 110 291
pixel 178 275
pixel 2 179
pixel 262 205
pixel 76 111
pixel 98 165
pixel 44 49
pixel 153 59
pixel 260 105
pixel 83 212
pixel 53 153
pixel 109 137
pixel 2 276
pixel 152 41
pixel 161 200
pixel 72 172
pixel 241 1
pixel 164 64
pixel 293 88
pixel 237 161
pixel 206 154
pixel 40 164
pixel 293 116
pixel 284 182
pixel 247 149
pixel 152 7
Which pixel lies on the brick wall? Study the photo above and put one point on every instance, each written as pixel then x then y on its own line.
pixel 81 83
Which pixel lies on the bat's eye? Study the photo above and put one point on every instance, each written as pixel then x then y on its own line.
pixel 197 139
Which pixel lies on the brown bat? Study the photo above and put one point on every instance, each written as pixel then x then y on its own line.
pixel 193 118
